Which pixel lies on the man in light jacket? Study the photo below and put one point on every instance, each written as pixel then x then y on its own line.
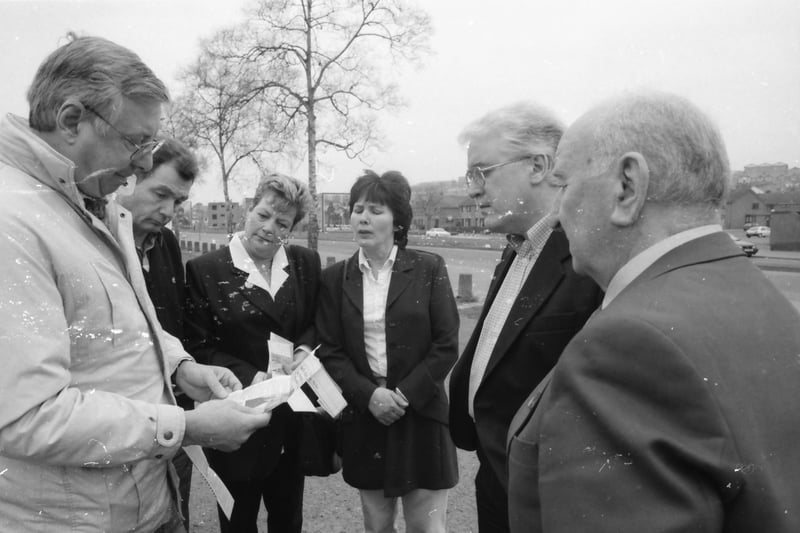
pixel 89 420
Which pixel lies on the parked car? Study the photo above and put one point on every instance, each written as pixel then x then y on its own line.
pixel 747 247
pixel 437 232
pixel 757 231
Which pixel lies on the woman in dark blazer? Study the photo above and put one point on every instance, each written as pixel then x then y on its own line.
pixel 388 325
pixel 238 296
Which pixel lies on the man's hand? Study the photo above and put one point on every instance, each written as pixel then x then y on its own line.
pixel 387 406
pixel 222 424
pixel 203 382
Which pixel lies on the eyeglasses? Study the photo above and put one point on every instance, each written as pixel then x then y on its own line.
pixel 477 175
pixel 138 149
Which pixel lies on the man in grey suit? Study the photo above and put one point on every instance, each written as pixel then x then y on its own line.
pixel 664 412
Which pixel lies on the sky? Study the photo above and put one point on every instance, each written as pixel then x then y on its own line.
pixel 739 60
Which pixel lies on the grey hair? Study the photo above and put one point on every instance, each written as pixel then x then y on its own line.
pixel 684 150
pixel 95 72
pixel 287 191
pixel 525 127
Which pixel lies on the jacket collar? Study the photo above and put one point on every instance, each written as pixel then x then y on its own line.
pixel 353 285
pixel 546 275
pixel 242 261
pixel 22 148
pixel 649 256
pixel 711 247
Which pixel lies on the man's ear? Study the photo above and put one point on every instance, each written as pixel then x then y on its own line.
pixel 632 180
pixel 541 167
pixel 68 118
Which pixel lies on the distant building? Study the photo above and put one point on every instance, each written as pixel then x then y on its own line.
pixel 443 204
pixel 745 206
pixel 780 211
pixel 334 210
pixel 754 207
pixel 434 210
pixel 785 225
pixel 216 215
pixel 471 216
pixel 766 170
pixel 773 177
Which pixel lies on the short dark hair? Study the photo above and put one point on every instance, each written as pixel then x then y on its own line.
pixel 392 190
pixel 177 154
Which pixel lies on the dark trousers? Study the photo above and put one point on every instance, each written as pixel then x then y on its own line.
pixel 491 500
pixel 282 494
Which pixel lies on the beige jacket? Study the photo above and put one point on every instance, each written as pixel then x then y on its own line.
pixel 88 419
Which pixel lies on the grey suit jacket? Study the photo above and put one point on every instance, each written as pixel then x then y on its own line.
pixel 674 409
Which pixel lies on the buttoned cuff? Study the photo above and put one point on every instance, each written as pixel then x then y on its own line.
pixel 170 427
pixel 177 362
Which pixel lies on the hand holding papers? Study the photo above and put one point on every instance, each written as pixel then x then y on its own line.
pixel 314 387
pixel 306 388
pixel 281 352
pixel 266 394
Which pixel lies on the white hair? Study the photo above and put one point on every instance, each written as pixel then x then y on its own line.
pixel 684 151
pixel 526 128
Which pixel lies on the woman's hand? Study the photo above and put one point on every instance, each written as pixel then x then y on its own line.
pixel 259 377
pixel 387 406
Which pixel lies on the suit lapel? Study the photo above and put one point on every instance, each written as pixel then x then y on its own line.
pixel 353 289
pixel 401 276
pixel 528 409
pixel 546 274
pixel 260 298
pixel 353 284
pixel 500 275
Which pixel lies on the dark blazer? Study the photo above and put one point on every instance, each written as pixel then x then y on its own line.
pixel 165 282
pixel 552 306
pixel 422 345
pixel 228 322
pixel 674 409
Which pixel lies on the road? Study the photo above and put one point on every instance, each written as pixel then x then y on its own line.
pixel 480 264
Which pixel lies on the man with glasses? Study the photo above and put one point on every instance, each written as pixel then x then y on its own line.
pixel 535 303
pixel 665 412
pixel 89 420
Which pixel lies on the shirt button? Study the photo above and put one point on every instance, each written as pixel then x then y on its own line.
pixel 168 435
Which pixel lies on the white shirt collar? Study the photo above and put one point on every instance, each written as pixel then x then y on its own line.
pixel 646 258
pixel 242 260
pixel 363 264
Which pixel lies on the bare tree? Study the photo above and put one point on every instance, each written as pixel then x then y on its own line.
pixel 327 67
pixel 219 110
pixel 426 204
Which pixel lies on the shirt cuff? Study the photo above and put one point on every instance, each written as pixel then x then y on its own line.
pixel 170 428
pixel 177 362
pixel 403 396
